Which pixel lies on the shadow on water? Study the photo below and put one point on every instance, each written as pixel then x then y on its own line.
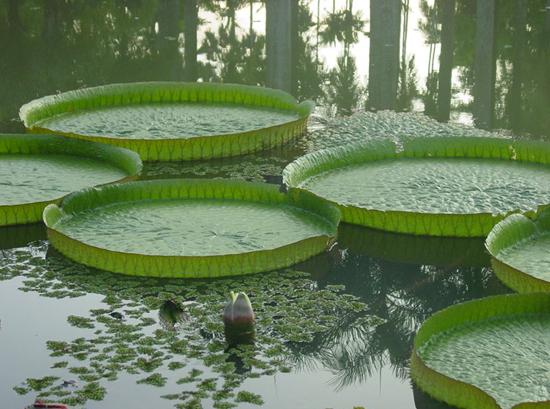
pixel 424 401
pixel 19 236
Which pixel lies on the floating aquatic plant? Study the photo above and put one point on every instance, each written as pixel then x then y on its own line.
pixel 38 170
pixel 171 315
pixel 458 187
pixel 165 121
pixel 521 252
pixel 488 353
pixel 133 341
pixel 231 227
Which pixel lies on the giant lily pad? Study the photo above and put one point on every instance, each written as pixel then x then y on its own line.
pixel 430 186
pixel 521 252
pixel 38 170
pixel 190 228
pixel 488 353
pixel 165 121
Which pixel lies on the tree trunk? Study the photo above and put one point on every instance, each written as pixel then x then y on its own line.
pixel 385 28
pixel 518 44
pixel 14 18
pixel 484 64
pixel 51 28
pixel 446 59
pixel 190 22
pixel 167 41
pixel 278 47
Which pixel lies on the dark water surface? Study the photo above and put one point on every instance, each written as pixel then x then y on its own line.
pixel 397 281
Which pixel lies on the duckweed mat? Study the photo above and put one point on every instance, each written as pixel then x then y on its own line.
pixel 521 252
pixel 37 170
pixel 432 186
pixel 190 227
pixel 165 121
pixel 179 357
pixel 489 353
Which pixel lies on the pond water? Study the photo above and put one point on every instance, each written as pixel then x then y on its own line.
pixel 333 332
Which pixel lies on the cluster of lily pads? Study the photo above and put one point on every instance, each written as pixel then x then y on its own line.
pixel 441 185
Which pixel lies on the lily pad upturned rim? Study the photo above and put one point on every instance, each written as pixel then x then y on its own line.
pixel 26 144
pixel 174 149
pixel 455 392
pixel 419 223
pixel 510 231
pixel 191 266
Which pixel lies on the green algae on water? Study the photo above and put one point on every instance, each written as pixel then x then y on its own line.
pixel 197 352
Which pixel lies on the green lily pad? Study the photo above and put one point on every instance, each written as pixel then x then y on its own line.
pixel 488 353
pixel 38 170
pixel 431 186
pixel 165 121
pixel 190 228
pixel 521 252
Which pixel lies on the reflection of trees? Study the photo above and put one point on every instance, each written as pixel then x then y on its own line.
pixel 521 91
pixel 226 59
pixel 432 38
pixel 308 74
pixel 402 293
pixel 407 89
pixel 385 29
pixel 343 26
pixel 62 45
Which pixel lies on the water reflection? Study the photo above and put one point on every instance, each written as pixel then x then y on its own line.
pixel 424 55
pixel 404 279
pixel 19 236
pixel 401 286
pixel 437 57
pixel 424 401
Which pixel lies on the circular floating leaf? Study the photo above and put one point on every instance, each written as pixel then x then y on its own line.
pixel 488 353
pixel 165 121
pixel 432 186
pixel 38 170
pixel 190 228
pixel 521 252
